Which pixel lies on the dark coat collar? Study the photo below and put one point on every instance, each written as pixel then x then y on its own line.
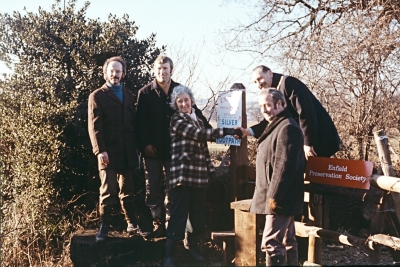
pixel 273 124
pixel 275 79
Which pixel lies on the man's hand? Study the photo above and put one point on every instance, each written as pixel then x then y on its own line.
pixel 245 132
pixel 150 151
pixel 273 205
pixel 233 132
pixel 103 158
pixel 309 152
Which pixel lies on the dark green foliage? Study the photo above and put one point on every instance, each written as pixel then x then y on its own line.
pixel 46 153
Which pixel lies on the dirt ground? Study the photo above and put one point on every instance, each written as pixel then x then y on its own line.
pixel 332 255
pixel 335 254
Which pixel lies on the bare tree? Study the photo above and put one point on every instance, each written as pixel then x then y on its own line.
pixel 274 21
pixel 347 52
pixel 352 66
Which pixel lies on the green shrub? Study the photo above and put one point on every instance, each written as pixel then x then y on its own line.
pixel 46 157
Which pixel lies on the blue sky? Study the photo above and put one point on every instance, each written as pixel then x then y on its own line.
pixel 189 26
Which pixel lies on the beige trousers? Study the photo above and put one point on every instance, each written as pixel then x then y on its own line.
pixel 117 184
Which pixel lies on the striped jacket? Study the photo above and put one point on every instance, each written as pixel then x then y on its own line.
pixel 191 161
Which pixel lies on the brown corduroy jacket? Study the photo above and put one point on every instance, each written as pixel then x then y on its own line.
pixel 111 126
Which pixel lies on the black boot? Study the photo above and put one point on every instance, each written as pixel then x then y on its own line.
pixel 105 214
pixel 274 261
pixel 190 243
pixel 292 258
pixel 169 252
pixel 158 228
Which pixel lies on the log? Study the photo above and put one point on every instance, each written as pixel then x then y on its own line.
pixel 389 183
pixel 119 249
pixel 389 241
pixel 303 230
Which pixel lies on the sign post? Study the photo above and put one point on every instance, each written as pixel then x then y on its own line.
pixel 231 112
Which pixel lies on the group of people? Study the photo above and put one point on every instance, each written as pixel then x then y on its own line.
pixel 170 132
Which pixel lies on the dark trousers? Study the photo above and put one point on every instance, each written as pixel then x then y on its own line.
pixel 186 201
pixel 155 194
pixel 279 235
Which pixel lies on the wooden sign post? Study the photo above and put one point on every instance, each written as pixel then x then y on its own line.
pixel 238 151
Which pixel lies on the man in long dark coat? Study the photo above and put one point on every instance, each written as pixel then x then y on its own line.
pixel 279 188
pixel 320 134
pixel 111 119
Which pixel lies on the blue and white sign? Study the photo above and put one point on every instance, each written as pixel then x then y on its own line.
pixel 229 114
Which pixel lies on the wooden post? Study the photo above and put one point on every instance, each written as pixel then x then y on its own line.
pixel 315 215
pixel 247 234
pixel 377 226
pixel 382 143
pixel 238 154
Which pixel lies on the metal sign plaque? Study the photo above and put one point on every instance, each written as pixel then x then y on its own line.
pixel 229 114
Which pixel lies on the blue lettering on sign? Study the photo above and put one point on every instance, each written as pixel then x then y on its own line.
pixel 228 140
pixel 227 122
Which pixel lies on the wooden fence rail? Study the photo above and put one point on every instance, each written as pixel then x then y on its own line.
pixel 303 230
pixel 388 183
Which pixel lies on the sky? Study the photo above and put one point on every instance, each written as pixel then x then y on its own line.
pixel 186 25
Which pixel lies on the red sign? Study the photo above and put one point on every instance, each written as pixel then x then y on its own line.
pixel 339 172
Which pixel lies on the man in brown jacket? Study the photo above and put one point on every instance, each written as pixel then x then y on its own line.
pixel 111 116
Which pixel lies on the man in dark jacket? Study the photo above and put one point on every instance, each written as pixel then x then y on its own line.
pixel 111 115
pixel 279 191
pixel 320 134
pixel 153 120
